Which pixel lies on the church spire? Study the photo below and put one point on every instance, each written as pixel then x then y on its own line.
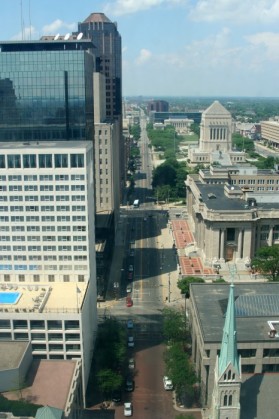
pixel 228 354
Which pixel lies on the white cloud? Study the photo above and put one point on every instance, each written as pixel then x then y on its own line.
pixel 238 11
pixel 122 7
pixel 268 42
pixel 57 25
pixel 26 34
pixel 144 56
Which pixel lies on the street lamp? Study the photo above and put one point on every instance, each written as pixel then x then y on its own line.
pixel 169 286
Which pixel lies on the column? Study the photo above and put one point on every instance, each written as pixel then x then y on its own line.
pixel 270 236
pixel 222 243
pixel 240 243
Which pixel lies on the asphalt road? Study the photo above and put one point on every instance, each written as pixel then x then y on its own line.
pixel 142 229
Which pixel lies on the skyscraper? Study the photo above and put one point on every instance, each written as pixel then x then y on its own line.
pixel 107 43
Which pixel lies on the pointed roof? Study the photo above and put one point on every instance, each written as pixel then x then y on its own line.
pixel 48 412
pixel 228 354
pixel 97 17
pixel 216 109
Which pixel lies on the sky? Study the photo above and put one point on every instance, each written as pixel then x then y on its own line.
pixel 171 47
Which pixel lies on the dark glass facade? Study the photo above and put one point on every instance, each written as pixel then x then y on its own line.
pixel 108 51
pixel 46 91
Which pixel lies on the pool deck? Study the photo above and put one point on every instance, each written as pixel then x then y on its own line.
pixel 45 298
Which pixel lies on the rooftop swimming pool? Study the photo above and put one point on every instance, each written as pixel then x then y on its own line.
pixel 9 297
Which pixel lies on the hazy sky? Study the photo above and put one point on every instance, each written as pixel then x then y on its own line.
pixel 172 47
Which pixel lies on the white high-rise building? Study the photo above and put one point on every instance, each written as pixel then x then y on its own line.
pixel 47 249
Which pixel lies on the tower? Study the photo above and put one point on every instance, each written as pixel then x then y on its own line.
pixel 226 392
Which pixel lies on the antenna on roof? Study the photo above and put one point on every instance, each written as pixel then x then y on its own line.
pixel 56 37
pixel 67 36
pixel 80 35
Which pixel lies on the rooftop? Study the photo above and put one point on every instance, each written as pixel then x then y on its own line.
pixel 252 324
pixel 58 297
pixel 36 145
pixel 11 354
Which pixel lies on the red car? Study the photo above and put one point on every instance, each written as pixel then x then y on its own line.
pixel 129 302
pixel 130 276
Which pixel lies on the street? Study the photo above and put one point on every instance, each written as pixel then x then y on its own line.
pixel 148 259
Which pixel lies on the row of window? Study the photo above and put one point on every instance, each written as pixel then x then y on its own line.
pixel 7 267
pixel 41 178
pixel 47 208
pixel 45 258
pixel 43 238
pixel 39 324
pixel 44 218
pixel 42 198
pixel 43 188
pixel 50 278
pixel 34 248
pixel 41 161
pixel 255 181
pixel 34 228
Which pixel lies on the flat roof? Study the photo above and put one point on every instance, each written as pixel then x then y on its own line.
pixel 56 297
pixel 223 203
pixel 11 147
pixel 11 354
pixel 51 381
pixel 211 303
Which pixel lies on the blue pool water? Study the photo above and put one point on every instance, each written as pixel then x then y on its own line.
pixel 9 297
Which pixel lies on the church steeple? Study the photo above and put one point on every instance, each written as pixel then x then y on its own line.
pixel 227 385
pixel 228 354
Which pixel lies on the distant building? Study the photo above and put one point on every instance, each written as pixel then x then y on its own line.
pixel 157 106
pixel 181 126
pixel 162 116
pixel 270 134
pixel 215 144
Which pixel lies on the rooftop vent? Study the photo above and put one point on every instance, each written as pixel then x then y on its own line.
pixel 211 196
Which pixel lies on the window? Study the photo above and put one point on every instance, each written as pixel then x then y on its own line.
pixel 29 161
pixel 31 198
pixel 81 278
pixel 78 187
pixel 33 228
pixel 47 198
pixel 64 238
pixel 79 238
pixel 79 228
pixel 62 198
pixel 49 248
pixel 48 228
pixel 36 278
pixel 48 218
pixel 77 160
pixel 50 257
pixel 61 160
pixel 80 248
pixel 45 161
pixel 2 163
pixel 14 161
pixel 7 278
pixel 32 218
pixel 16 208
pixel 51 278
pixel 5 219
pixel 77 177
pixel 30 187
pixel 63 228
pixel 79 218
pixel 30 178
pixel 49 238
pixel 64 248
pixel 15 188
pixel 66 278
pixel 63 218
pixel 21 278
pixel 80 208
pixel 78 198
pixel 61 177
pixel 46 188
pixel 64 188
pixel 65 257
pixel 48 178
pixel 64 208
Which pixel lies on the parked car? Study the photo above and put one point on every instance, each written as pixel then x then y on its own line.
pixel 129 289
pixel 130 276
pixel 167 383
pixel 131 363
pixel 130 324
pixel 129 302
pixel 131 342
pixel 131 268
pixel 128 409
pixel 129 384
pixel 116 396
pixel 132 253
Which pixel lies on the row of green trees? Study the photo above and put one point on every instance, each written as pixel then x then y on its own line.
pixel 169 180
pixel 178 364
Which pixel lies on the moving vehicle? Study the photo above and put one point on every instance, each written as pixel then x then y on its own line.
pixel 130 324
pixel 128 410
pixel 136 203
pixel 129 302
pixel 167 383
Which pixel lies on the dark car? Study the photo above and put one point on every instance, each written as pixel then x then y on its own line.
pixel 116 396
pixel 129 384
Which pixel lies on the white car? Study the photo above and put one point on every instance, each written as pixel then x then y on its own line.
pixel 167 383
pixel 131 268
pixel 131 363
pixel 131 342
pixel 128 410
pixel 129 289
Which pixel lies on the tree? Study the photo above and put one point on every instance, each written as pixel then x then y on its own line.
pixel 109 381
pixel 174 325
pixel 184 284
pixel 266 261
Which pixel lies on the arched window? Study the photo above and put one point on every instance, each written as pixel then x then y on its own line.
pixel 229 374
pixel 230 400
pixel 225 377
pixel 233 376
pixel 225 400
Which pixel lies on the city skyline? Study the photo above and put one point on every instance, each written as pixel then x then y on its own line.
pixel 171 47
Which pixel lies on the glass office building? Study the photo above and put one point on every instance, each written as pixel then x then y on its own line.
pixel 46 90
